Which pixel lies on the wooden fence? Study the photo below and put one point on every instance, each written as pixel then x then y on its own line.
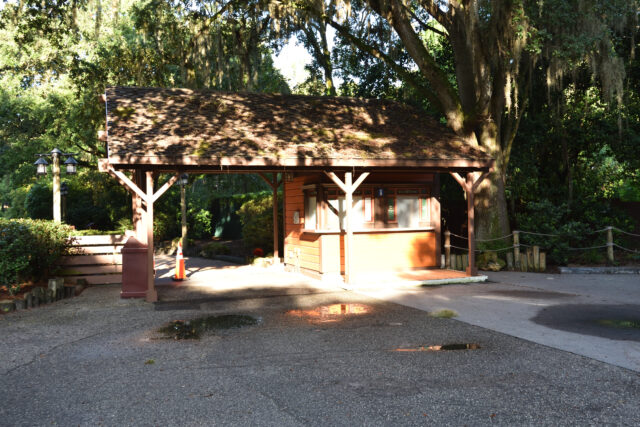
pixel 96 259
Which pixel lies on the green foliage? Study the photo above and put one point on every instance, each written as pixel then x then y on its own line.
pixel 212 249
pixel 256 216
pixel 200 221
pixel 39 202
pixel 574 229
pixel 29 249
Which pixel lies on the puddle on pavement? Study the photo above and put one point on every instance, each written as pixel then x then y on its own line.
pixel 194 328
pixel 330 313
pixel 445 347
pixel 619 323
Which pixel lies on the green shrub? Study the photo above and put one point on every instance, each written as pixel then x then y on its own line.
pixel 256 217
pixel 200 220
pixel 215 248
pixel 29 249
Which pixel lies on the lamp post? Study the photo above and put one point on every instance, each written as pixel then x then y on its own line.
pixel 184 180
pixel 41 170
pixel 64 190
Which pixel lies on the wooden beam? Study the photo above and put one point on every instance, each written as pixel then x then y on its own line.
pixel 274 183
pixel 337 181
pixel 348 241
pixel 460 180
pixel 276 251
pixel 165 187
pixel 152 294
pixel 348 187
pixel 480 179
pixel 138 207
pixel 471 269
pixel 361 178
pixel 127 183
pixel 269 181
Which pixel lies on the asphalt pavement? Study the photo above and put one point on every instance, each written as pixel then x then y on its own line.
pixel 579 313
pixel 318 356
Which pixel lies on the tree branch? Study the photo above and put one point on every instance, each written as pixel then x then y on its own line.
pixel 432 9
pixel 423 24
pixel 377 53
pixel 444 90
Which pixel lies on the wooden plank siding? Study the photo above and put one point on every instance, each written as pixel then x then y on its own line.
pixel 300 249
pixel 382 249
pixel 96 259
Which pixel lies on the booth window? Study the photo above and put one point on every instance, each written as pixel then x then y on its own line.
pixel 403 207
pixel 310 210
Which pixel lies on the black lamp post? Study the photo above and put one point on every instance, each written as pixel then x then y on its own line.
pixel 41 170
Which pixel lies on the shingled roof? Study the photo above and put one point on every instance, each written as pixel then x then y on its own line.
pixel 182 127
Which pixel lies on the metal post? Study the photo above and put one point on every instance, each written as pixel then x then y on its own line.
pixel 610 244
pixel 55 169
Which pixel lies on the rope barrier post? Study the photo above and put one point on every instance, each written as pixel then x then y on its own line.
pixel 447 249
pixel 610 244
pixel 516 248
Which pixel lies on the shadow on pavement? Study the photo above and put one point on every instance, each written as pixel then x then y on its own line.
pixel 588 319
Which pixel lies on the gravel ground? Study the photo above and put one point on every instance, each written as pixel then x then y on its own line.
pixel 87 361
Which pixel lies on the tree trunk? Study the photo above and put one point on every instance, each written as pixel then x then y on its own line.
pixel 492 218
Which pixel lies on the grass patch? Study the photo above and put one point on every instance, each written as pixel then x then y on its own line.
pixel 617 323
pixel 193 329
pixel 444 314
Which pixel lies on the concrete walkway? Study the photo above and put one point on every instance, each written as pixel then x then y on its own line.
pixel 567 312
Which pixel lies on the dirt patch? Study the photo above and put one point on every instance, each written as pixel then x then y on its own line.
pixel 194 328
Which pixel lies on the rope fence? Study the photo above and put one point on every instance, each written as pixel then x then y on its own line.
pixel 539 258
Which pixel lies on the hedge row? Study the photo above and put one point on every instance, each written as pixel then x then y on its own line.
pixel 29 249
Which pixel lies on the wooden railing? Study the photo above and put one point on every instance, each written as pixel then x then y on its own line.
pixel 96 259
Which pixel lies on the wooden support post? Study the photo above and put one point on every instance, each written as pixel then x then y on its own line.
pixel 148 197
pixel 543 261
pixel 447 249
pixel 276 252
pixel 152 294
pixel 274 184
pixel 610 244
pixel 470 186
pixel 471 269
pixel 523 262
pixel 436 217
pixel 348 187
pixel 509 261
pixel 516 248
pixel 348 241
pixel 138 211
pixel 536 258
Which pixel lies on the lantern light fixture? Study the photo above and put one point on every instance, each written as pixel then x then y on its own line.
pixel 71 165
pixel 41 166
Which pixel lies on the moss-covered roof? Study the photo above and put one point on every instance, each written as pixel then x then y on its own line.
pixel 185 127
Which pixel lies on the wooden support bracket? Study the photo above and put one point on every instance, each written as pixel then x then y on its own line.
pixel 134 189
pixel 273 183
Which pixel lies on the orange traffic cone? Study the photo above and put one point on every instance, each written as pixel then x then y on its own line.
pixel 179 264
